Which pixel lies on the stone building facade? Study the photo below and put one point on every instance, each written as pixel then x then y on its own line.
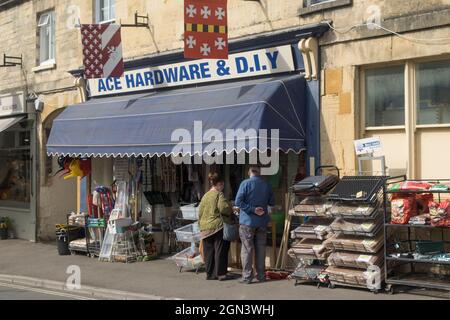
pixel 50 83
pixel 353 45
pixel 415 63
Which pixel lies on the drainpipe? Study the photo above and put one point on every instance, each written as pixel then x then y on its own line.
pixel 310 51
pixel 80 84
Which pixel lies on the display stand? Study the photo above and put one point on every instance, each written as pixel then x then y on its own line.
pixel 124 248
pixel 95 233
pixel 356 258
pixel 401 255
pixel 308 201
pixel 78 249
pixel 308 248
pixel 189 258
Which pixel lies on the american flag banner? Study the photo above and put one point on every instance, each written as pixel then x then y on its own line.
pixel 205 29
pixel 102 51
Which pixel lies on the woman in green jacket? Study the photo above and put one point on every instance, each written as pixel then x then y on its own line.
pixel 214 209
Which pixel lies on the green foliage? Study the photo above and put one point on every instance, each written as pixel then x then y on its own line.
pixel 5 223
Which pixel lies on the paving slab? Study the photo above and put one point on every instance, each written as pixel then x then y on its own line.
pixel 159 278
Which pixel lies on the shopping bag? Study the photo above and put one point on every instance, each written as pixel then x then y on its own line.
pixel 230 232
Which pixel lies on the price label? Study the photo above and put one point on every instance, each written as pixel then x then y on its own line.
pixel 367 226
pixel 369 243
pixel 364 258
pixel 320 228
pixel 318 248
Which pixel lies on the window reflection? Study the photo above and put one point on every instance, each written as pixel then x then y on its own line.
pixel 433 92
pixel 15 166
pixel 385 96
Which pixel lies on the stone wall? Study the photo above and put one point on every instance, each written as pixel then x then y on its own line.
pixel 345 51
pixel 54 86
pixel 342 55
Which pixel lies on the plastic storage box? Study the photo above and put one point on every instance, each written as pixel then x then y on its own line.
pixel 189 233
pixel 308 249
pixel 189 259
pixel 370 279
pixel 355 260
pixel 189 212
pixel 369 228
pixel 355 243
pixel 311 207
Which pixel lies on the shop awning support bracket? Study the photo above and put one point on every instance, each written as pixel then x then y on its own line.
pixel 139 22
pixel 10 61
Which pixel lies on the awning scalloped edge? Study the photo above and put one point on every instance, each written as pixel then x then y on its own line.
pixel 165 154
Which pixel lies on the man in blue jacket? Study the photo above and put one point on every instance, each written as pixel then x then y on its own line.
pixel 253 198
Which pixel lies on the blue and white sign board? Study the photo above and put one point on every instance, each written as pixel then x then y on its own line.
pixel 367 146
pixel 239 65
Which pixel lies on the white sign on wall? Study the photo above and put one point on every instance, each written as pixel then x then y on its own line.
pixel 12 104
pixel 367 146
pixel 239 65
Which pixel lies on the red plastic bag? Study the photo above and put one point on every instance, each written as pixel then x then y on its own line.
pixel 276 275
pixel 441 223
pixel 440 213
pixel 414 185
pixel 403 207
pixel 410 185
pixel 423 202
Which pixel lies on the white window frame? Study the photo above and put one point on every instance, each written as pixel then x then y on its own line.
pixel 49 22
pixel 98 11
pixel 411 126
pixel 410 95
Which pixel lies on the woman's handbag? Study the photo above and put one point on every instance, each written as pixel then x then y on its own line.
pixel 230 231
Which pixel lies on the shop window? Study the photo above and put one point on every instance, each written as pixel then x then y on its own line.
pixel 46 28
pixel 433 94
pixel 385 96
pixel 311 6
pixel 105 10
pixel 15 166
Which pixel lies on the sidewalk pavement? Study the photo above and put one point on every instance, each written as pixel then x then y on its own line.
pixel 26 262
